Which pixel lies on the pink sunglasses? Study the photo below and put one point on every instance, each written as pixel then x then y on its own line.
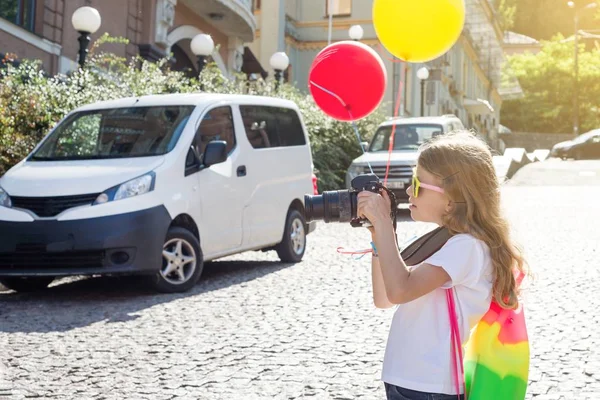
pixel 417 184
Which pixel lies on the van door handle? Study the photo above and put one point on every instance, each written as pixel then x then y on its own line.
pixel 241 170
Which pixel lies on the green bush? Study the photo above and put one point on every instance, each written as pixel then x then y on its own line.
pixel 32 103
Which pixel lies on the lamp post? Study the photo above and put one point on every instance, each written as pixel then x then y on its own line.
pixel 279 62
pixel 423 75
pixel 356 32
pixel 202 46
pixel 86 21
pixel 576 74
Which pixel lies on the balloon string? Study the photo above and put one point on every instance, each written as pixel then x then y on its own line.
pixel 380 51
pixel 333 94
pixel 356 254
pixel 393 134
pixel 351 117
pixel 360 144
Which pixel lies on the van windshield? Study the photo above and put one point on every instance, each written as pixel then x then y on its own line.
pixel 115 133
pixel 406 137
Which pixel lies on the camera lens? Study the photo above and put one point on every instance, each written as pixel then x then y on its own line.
pixel 331 206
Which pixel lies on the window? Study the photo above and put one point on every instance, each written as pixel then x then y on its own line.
pixel 217 124
pixel 338 7
pixel 116 133
pixel 272 126
pixel 406 137
pixel 19 12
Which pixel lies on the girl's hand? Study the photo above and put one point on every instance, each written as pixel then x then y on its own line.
pixel 374 207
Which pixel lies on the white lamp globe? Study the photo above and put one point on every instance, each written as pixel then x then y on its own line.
pixel 356 32
pixel 423 73
pixel 279 61
pixel 202 45
pixel 86 19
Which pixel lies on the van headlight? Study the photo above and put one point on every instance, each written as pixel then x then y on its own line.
pixel 4 198
pixel 135 187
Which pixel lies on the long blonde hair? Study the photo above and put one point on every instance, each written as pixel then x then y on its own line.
pixel 464 164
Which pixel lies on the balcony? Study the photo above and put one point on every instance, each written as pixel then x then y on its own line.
pixel 232 17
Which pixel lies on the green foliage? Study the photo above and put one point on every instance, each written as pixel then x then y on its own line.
pixel 32 103
pixel 547 80
pixel 543 19
pixel 507 10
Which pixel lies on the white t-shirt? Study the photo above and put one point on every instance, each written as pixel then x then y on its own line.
pixel 418 353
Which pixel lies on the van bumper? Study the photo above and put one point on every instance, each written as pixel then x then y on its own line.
pixel 128 243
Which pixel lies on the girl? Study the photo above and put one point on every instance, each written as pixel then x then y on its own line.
pixel 455 186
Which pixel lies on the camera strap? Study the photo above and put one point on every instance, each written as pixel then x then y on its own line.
pixel 425 246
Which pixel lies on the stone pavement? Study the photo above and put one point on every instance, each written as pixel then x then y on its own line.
pixel 254 328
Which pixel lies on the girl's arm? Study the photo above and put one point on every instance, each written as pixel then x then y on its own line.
pixel 400 284
pixel 380 298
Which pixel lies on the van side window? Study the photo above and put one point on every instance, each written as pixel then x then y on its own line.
pixel 272 126
pixel 217 124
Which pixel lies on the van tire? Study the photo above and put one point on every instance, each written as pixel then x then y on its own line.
pixel 182 251
pixel 27 284
pixel 292 247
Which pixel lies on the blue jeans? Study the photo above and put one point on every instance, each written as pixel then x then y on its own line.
pixel 398 393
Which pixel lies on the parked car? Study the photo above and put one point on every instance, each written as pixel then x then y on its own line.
pixel 409 135
pixel 584 147
pixel 157 185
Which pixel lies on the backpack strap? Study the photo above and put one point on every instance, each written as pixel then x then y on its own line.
pixel 456 345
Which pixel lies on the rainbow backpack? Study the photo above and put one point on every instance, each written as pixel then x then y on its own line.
pixel 495 365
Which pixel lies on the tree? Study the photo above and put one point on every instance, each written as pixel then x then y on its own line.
pixel 507 10
pixel 547 82
pixel 543 19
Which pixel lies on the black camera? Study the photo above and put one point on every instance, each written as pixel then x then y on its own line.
pixel 340 205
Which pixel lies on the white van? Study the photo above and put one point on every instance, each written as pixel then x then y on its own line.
pixel 409 135
pixel 157 185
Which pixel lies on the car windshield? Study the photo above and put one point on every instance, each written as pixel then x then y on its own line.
pixel 588 135
pixel 115 133
pixel 406 137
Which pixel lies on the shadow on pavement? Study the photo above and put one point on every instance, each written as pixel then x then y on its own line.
pixel 79 303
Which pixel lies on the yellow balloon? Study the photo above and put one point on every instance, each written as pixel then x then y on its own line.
pixel 418 30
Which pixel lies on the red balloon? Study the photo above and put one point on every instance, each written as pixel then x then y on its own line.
pixel 347 80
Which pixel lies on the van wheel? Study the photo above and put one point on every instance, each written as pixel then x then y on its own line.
pixel 27 284
pixel 182 262
pixel 292 247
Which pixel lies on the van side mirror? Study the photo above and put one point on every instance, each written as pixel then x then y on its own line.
pixel 365 146
pixel 215 153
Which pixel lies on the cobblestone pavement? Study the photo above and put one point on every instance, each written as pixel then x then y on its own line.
pixel 254 328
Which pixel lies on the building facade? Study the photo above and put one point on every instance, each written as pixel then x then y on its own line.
pixel 466 81
pixel 42 29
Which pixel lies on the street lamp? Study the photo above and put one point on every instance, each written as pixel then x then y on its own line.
pixel 423 75
pixel 202 46
pixel 279 62
pixel 576 78
pixel 355 32
pixel 86 21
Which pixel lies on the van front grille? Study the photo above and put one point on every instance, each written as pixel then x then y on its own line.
pixel 52 206
pixel 396 171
